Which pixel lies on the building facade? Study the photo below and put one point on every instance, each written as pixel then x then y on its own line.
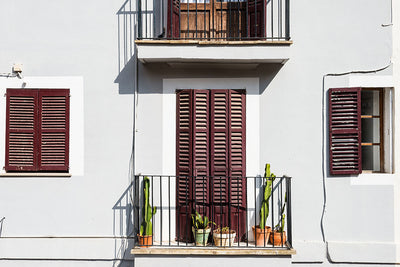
pixel 198 96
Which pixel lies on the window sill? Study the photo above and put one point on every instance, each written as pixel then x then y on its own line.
pixel 214 251
pixel 35 174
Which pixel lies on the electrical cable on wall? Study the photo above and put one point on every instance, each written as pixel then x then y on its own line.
pixel 1 225
pixel 8 75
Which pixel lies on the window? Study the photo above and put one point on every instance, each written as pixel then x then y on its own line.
pixel 360 130
pixel 37 130
pixel 211 147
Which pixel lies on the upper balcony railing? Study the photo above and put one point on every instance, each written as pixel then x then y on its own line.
pixel 214 20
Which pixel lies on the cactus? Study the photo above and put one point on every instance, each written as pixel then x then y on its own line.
pixel 146 228
pixel 264 211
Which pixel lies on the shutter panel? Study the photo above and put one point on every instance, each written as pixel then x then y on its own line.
pixel 237 162
pixel 201 145
pixel 173 24
pixel 345 131
pixel 21 121
pixel 184 162
pixel 54 129
pixel 256 18
pixel 201 149
pixel 228 149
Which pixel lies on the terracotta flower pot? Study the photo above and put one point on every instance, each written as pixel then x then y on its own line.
pixel 224 240
pixel 277 238
pixel 145 240
pixel 261 235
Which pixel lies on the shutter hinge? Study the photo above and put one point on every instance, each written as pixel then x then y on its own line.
pixel 5 94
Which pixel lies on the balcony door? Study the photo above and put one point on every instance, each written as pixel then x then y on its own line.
pixel 216 19
pixel 210 158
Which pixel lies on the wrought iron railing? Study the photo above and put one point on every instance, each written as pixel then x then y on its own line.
pixel 232 20
pixel 233 203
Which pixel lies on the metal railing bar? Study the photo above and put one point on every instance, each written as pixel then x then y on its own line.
pixel 161 211
pixel 169 210
pixel 272 209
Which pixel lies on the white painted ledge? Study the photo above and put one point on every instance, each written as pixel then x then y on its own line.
pixel 362 252
pixel 223 53
pixel 213 251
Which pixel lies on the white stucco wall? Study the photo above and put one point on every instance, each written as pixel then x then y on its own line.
pixel 88 45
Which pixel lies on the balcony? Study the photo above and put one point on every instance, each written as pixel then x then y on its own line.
pixel 230 202
pixel 213 31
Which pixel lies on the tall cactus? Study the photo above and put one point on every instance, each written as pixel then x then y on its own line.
pixel 146 228
pixel 264 211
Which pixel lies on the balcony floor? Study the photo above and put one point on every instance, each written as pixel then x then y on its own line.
pixel 174 248
pixel 200 51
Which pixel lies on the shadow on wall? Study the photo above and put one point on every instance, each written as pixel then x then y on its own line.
pixel 127 18
pixel 152 74
pixel 124 227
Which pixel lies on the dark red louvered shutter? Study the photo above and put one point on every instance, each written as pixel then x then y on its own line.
pixel 237 161
pixel 345 131
pixel 21 124
pixel 256 18
pixel 173 23
pixel 184 163
pixel 53 130
pixel 228 129
pixel 201 149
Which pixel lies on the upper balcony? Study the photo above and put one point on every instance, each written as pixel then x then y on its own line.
pixel 213 31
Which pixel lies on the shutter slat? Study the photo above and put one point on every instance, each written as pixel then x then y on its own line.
pixel 345 131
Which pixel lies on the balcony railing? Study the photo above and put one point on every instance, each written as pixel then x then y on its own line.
pixel 214 20
pixel 233 202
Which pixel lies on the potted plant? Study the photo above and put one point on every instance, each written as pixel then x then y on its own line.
pixel 278 235
pixel 146 228
pixel 201 229
pixel 224 236
pixel 261 232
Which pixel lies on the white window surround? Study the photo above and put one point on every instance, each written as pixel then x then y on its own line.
pixel 75 84
pixel 251 85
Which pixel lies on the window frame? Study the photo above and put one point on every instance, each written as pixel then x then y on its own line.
pixel 339 114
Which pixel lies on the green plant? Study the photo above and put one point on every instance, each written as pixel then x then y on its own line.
pixel 146 228
pixel 280 226
pixel 264 210
pixel 199 222
pixel 223 230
